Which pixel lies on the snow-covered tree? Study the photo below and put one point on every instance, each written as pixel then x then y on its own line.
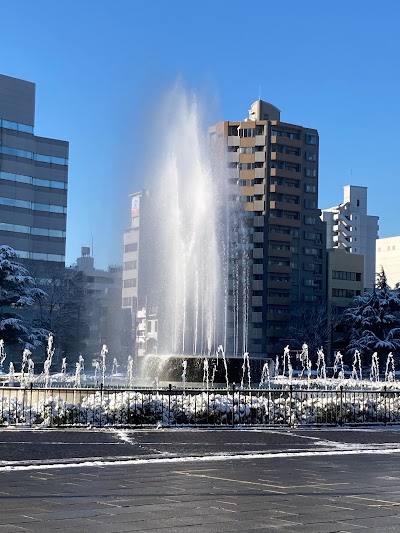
pixel 18 292
pixel 308 324
pixel 373 323
pixel 63 311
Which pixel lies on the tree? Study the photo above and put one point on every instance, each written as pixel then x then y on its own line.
pixel 372 324
pixel 308 324
pixel 18 292
pixel 63 311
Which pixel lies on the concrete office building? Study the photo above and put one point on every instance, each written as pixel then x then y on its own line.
pixel 273 171
pixel 388 258
pixel 351 228
pixel 136 276
pixel 345 281
pixel 33 179
pixel 102 307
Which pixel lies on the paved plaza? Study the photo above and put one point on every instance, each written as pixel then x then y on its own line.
pixel 200 481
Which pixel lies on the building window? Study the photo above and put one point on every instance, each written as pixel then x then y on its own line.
pixel 131 282
pixel 343 293
pixel 310 188
pixel 309 156
pixel 311 173
pixel 130 265
pixel 131 247
pixel 309 220
pixel 126 302
pixel 287 134
pixel 233 131
pixel 346 276
pixel 310 204
pixel 310 138
pixel 312 251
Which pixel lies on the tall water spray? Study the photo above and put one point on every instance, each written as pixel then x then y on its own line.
pixel 200 259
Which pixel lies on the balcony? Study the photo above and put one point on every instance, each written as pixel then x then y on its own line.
pixel 285 173
pixel 278 317
pixel 259 189
pixel 233 157
pixel 259 157
pixel 273 252
pixel 260 140
pixel 276 139
pixel 233 140
pixel 259 205
pixel 279 285
pixel 258 269
pixel 259 173
pixel 258 221
pixel 246 158
pixel 281 221
pixel 279 237
pixel 278 156
pixel 258 253
pixel 285 206
pixel 256 318
pixel 278 300
pixel 281 189
pixel 258 237
pixel 343 229
pixel 257 285
pixel 279 269
pixel 256 301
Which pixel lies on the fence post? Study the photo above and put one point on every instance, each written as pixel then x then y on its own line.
pixel 233 405
pixel 169 404
pixel 30 405
pixel 385 393
pixel 101 401
pixel 341 406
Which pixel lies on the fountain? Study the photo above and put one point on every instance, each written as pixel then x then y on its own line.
pixel 11 375
pixel 3 354
pixel 246 369
pixel 357 367
pixel 390 373
pixel 374 374
pixel 198 289
pixel 321 365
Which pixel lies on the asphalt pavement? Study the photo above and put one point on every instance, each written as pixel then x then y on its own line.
pixel 198 481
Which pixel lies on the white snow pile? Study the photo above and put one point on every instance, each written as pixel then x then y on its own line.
pixel 269 407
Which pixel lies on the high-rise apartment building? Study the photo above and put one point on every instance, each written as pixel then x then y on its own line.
pixel 351 228
pixel 273 176
pixel 33 179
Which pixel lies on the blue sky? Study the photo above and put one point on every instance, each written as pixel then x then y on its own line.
pixel 333 66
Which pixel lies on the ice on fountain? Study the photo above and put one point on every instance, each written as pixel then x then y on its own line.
pixel 103 355
pixel 390 372
pixel 11 375
pixel 374 374
pixel 246 369
pixel 206 374
pixel 3 354
pixel 357 367
pixel 321 365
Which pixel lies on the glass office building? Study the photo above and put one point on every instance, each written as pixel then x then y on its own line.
pixel 33 179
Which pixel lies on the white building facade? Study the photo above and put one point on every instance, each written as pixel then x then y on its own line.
pixel 388 258
pixel 350 227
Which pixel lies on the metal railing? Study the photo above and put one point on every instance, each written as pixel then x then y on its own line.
pixel 103 407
